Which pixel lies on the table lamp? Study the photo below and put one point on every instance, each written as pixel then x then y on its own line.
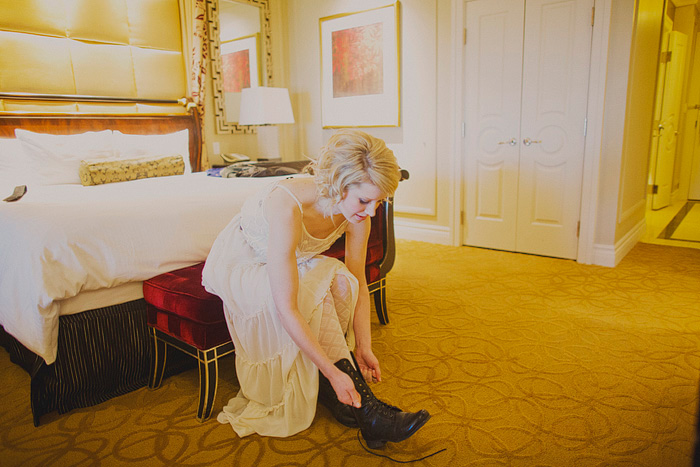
pixel 266 106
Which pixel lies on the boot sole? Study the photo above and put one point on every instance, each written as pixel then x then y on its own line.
pixel 380 443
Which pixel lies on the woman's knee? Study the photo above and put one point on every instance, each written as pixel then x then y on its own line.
pixel 341 287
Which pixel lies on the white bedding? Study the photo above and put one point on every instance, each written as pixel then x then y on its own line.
pixel 61 240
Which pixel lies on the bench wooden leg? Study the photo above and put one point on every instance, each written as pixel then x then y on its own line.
pixel 379 294
pixel 208 379
pixel 208 367
pixel 158 358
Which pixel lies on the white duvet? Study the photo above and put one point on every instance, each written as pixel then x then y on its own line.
pixel 61 240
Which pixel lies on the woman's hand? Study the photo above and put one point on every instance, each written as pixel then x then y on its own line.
pixel 369 365
pixel 345 389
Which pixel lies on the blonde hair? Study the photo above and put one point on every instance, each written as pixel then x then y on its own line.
pixel 352 157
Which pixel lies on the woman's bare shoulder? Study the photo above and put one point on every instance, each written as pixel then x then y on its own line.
pixel 303 188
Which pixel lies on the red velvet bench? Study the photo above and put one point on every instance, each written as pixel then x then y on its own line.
pixel 181 313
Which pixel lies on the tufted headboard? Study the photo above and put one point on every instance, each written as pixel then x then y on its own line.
pixel 130 49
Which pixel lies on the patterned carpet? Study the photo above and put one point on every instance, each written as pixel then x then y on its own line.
pixel 521 360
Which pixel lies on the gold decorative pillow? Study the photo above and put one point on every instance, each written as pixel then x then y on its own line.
pixel 99 172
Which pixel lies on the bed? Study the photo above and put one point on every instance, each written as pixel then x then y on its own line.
pixel 73 257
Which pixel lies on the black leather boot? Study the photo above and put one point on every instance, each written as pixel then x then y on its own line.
pixel 380 422
pixel 328 397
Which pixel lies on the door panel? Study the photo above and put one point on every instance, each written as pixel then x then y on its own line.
pixel 548 204
pixel 543 106
pixel 492 75
pixel 555 89
pixel 658 100
pixel 694 189
pixel 490 183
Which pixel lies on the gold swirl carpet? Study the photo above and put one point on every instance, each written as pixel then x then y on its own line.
pixel 521 360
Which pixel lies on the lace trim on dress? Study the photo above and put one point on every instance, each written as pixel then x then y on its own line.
pixel 301 209
pixel 309 246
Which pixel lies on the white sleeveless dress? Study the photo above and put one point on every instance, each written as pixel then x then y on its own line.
pixel 279 384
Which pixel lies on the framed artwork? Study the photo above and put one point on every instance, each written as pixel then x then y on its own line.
pixel 240 68
pixel 360 68
pixel 239 63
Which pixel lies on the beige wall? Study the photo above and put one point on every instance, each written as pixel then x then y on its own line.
pixel 639 115
pixel 629 104
pixel 621 30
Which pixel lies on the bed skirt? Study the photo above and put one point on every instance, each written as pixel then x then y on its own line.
pixel 102 354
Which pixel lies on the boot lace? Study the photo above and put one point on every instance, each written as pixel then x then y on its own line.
pixel 387 409
pixel 359 440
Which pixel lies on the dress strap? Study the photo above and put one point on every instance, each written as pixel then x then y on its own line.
pixel 292 195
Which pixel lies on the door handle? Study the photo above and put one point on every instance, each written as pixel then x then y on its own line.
pixel 510 142
pixel 528 141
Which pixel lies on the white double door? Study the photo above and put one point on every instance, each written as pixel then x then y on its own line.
pixel 526 86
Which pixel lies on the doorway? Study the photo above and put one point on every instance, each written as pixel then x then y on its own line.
pixel 674 157
pixel 526 69
pixel 671 78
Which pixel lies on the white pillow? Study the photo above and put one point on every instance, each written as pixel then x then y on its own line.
pixel 137 146
pixel 55 159
pixel 11 156
pixel 14 169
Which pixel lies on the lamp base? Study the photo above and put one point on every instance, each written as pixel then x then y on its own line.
pixel 268 142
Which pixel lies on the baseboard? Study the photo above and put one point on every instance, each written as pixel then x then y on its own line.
pixel 609 255
pixel 407 230
pixel 603 255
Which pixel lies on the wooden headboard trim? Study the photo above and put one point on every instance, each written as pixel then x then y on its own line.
pixel 70 124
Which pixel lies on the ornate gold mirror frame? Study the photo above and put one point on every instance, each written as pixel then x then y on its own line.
pixel 222 125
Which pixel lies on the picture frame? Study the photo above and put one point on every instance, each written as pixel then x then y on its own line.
pixel 240 68
pixel 360 68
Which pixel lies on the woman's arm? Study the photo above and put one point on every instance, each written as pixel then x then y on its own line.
pixel 284 219
pixel 356 237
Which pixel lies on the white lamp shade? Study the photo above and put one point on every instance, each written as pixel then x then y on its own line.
pixel 265 106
